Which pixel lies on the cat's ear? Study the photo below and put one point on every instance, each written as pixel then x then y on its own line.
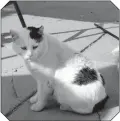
pixel 14 34
pixel 41 30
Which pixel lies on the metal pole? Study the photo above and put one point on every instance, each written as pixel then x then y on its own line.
pixel 19 14
pixel 106 31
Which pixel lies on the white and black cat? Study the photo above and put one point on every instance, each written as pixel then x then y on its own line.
pixel 73 80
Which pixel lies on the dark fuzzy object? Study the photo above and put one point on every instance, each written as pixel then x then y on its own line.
pixel 34 33
pixel 100 105
pixel 85 76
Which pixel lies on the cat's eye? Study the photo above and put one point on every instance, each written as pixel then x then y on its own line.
pixel 34 47
pixel 24 48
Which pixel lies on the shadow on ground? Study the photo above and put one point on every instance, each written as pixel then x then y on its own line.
pixel 5 38
pixel 100 11
pixel 111 76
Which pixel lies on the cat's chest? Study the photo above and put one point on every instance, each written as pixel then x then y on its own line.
pixel 46 65
pixel 50 60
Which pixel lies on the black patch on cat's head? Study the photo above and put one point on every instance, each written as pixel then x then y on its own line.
pixel 34 34
pixel 85 76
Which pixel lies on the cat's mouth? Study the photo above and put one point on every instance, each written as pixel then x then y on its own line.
pixel 20 54
pixel 30 59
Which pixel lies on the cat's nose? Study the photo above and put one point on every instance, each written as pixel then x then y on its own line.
pixel 27 56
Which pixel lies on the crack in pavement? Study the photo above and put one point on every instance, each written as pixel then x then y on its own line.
pixel 13 109
pixel 15 95
pixel 13 87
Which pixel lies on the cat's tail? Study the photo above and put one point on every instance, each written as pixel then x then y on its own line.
pixel 100 105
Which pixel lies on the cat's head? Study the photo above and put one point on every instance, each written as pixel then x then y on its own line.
pixel 27 41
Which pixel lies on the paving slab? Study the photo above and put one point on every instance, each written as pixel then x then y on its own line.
pixel 7 50
pixel 17 82
pixel 106 25
pixel 56 24
pixel 64 36
pixel 92 31
pixel 24 83
pixel 101 50
pixel 52 25
pixel 12 63
pixel 81 43
pixel 21 76
pixel 9 99
pixel 111 76
pixel 51 113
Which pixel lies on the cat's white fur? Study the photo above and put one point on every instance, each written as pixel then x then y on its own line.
pixel 80 99
pixel 47 66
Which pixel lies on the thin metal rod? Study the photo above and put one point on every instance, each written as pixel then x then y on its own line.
pixel 92 43
pixel 8 57
pixel 19 14
pixel 106 31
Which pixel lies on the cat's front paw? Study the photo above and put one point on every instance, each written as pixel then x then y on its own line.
pixel 65 107
pixel 34 99
pixel 37 107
